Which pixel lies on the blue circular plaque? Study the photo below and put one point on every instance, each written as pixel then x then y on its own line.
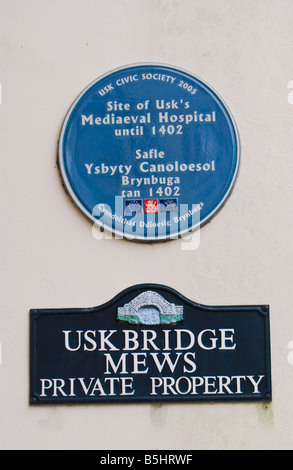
pixel 149 152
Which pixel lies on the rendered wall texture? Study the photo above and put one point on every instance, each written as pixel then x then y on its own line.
pixel 52 258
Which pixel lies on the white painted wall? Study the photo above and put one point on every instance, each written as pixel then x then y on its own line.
pixel 51 50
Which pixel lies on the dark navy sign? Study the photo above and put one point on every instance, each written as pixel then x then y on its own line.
pixel 150 344
pixel 149 152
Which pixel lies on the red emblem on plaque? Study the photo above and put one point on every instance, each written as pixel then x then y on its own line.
pixel 150 206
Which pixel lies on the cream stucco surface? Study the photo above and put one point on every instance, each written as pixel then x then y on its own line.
pixel 50 257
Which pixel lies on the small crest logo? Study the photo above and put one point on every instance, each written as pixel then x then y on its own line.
pixel 150 206
pixel 133 205
pixel 150 308
pixel 168 205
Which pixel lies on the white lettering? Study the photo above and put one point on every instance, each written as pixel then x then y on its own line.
pixel 105 340
pixel 110 361
pixel 179 339
pixel 212 340
pixel 254 383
